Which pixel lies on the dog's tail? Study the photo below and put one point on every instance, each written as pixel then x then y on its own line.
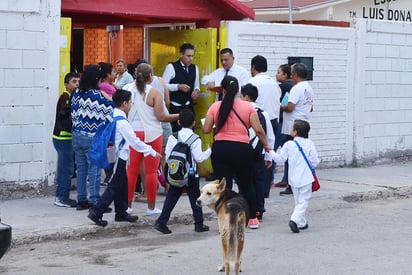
pixel 237 236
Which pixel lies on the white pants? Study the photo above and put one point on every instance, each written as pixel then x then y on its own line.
pixel 301 196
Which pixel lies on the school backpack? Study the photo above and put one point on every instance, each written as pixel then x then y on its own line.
pixel 102 151
pixel 179 164
pixel 254 140
pixel 64 119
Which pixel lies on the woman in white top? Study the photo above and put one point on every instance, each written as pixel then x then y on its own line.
pixel 145 119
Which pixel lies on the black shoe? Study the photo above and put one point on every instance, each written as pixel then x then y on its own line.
pixel 83 205
pixel 128 218
pixel 162 229
pixel 108 210
pixel 294 227
pixel 259 216
pixel 96 219
pixel 306 226
pixel 201 228
pixel 287 191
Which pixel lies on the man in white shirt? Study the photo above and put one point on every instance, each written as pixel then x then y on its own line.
pixel 182 78
pixel 228 68
pixel 268 90
pixel 300 105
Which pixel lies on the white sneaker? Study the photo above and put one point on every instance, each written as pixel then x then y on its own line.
pixel 154 212
pixel 129 210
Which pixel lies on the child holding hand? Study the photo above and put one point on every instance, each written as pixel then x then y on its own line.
pixel 300 175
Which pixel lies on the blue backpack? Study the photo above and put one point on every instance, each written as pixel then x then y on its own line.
pixel 102 151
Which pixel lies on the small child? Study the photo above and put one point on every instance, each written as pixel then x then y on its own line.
pixel 262 175
pixel 187 121
pixel 117 187
pixel 300 175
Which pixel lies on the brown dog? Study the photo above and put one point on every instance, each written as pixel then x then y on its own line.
pixel 233 215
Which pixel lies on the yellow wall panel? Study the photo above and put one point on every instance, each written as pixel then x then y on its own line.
pixel 65 44
pixel 164 49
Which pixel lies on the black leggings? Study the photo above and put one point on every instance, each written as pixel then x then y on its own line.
pixel 236 158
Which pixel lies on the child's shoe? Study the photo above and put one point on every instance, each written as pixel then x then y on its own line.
pixel 253 223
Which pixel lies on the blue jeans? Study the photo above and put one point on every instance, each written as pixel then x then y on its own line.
pixel 65 166
pixel 81 145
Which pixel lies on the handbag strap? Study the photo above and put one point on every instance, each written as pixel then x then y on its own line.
pixel 304 156
pixel 241 120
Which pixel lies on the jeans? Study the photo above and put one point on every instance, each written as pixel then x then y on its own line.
pixel 65 166
pixel 81 145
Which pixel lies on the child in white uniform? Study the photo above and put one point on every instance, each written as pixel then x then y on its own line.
pixel 300 175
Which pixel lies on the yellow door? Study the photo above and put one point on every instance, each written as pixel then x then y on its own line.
pixel 164 49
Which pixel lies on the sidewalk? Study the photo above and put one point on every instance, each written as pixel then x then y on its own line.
pixel 37 219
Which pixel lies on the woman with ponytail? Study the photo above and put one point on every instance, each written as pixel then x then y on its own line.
pixel 231 152
pixel 145 116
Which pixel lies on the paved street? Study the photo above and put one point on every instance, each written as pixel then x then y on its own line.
pixel 357 225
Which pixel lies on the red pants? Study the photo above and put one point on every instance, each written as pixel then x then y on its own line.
pixel 151 165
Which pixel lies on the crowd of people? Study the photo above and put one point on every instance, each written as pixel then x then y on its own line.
pixel 252 117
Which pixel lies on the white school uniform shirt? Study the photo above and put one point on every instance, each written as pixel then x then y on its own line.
pixel 302 96
pixel 241 74
pixel 269 94
pixel 270 136
pixel 125 131
pixel 196 148
pixel 299 173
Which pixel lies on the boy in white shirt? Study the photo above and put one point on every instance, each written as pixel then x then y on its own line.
pixel 300 175
pixel 187 122
pixel 262 175
pixel 117 187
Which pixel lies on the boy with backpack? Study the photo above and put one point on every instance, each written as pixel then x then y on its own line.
pixel 117 187
pixel 261 174
pixel 183 151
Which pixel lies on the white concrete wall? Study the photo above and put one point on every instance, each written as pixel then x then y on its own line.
pixel 29 54
pixel 362 81
pixel 334 55
pixel 383 92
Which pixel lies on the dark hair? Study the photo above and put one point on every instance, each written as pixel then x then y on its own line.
pixel 249 90
pixel 231 86
pixel 226 50
pixel 260 63
pixel 69 77
pixel 143 72
pixel 107 69
pixel 285 69
pixel 90 78
pixel 300 70
pixel 186 46
pixel 121 96
pixel 302 128
pixel 140 61
pixel 186 118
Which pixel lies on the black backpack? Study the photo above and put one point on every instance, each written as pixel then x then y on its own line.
pixel 179 165
pixel 64 118
pixel 254 140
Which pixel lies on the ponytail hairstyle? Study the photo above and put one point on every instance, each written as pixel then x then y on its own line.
pixel 106 69
pixel 231 86
pixel 143 74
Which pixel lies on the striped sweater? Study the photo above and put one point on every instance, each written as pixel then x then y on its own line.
pixel 89 109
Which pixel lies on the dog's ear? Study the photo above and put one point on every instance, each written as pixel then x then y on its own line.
pixel 222 185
